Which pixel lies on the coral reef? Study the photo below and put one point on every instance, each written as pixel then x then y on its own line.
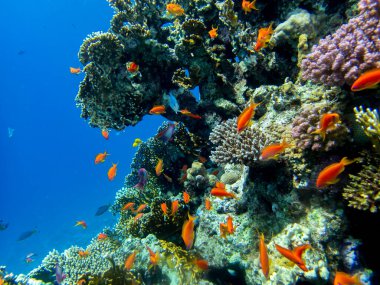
pixel 369 121
pixel 354 48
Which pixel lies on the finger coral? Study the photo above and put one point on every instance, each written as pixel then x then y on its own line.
pixel 354 48
pixel 370 122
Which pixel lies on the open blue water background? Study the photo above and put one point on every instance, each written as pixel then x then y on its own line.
pixel 48 177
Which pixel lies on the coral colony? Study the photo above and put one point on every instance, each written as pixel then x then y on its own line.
pixel 245 219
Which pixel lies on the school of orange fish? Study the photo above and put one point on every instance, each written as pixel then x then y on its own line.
pixel 327 176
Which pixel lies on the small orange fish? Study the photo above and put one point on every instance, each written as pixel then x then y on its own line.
pixel 213 32
pixel 74 70
pixel 105 134
pixel 112 172
pixel 248 6
pixel 102 236
pixel 159 167
pixel 230 226
pixel 342 278
pixel 189 114
pixel 294 255
pixel 274 150
pixel 128 206
pixel 138 217
pixel 164 208
pixel 83 224
pixel 130 261
pixel 201 263
pixel 154 257
pixel 368 80
pixel 140 208
pixel 245 117
pixel 168 178
pixel 221 191
pixel 157 110
pixel 188 232
pixel 263 38
pixel 81 282
pixel 264 260
pixel 186 197
pixel 327 122
pixel 175 206
pixel 101 157
pixel 223 230
pixel 330 173
pixel 132 67
pixel 175 9
pixel 83 253
pixel 208 204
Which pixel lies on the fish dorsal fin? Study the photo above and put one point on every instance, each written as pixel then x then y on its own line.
pixel 298 251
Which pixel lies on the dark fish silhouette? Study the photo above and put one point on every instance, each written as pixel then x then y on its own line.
pixel 102 209
pixel 3 225
pixel 21 52
pixel 26 235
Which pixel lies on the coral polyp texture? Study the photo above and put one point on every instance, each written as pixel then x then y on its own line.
pixel 369 121
pixel 353 49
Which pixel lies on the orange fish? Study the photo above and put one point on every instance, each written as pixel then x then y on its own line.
pixel 140 208
pixel 101 157
pixel 248 6
pixel 130 261
pixel 368 80
pixel 188 232
pixel 327 122
pixel 175 9
pixel 342 278
pixel 154 257
pixel 202 159
pixel 74 70
pixel 263 38
pixel 83 224
pixel 168 178
pixel 186 197
pixel 128 206
pixel 159 167
pixel 164 208
pixel 330 173
pixel 138 217
pixel 1 281
pixel 157 110
pixel 245 117
pixel 208 204
pixel 83 253
pixel 105 134
pixel 213 32
pixel 264 260
pixel 201 263
pixel 102 236
pixel 294 255
pixel 81 282
pixel 112 172
pixel 273 151
pixel 175 206
pixel 220 191
pixel 189 114
pixel 230 226
pixel 223 230
pixel 132 67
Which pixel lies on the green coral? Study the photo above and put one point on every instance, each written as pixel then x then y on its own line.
pixel 369 120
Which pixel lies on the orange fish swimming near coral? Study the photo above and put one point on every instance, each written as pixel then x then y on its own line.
pixel 140 208
pixel 201 263
pixel 159 167
pixel 164 208
pixel 102 236
pixel 342 278
pixel 189 114
pixel 128 206
pixel 83 224
pixel 220 191
pixel 132 67
pixel 208 206
pixel 188 232
pixel 74 70
pixel 186 197
pixel 263 38
pixel 213 33
pixel 244 120
pixel 327 122
pixel 175 206
pixel 175 9
pixel 274 150
pixel 294 255
pixel 101 157
pixel 112 172
pixel 248 6
pixel 153 257
pixel 157 110
pixel 105 134
pixel 368 80
pixel 128 264
pixel 83 253
pixel 264 259
pixel 138 217
pixel 329 175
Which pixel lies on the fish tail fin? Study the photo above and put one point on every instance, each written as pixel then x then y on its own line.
pixel 320 132
pixel 347 161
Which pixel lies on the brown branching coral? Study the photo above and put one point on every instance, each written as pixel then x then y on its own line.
pixel 237 148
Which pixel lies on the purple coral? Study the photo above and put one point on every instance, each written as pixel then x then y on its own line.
pixel 307 122
pixel 354 48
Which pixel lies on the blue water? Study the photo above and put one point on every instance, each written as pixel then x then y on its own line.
pixel 48 177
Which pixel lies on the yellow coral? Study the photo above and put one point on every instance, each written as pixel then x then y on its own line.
pixel 370 123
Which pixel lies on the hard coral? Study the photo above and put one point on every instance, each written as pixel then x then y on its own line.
pixel 354 48
pixel 369 120
pixel 238 148
pixel 308 121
